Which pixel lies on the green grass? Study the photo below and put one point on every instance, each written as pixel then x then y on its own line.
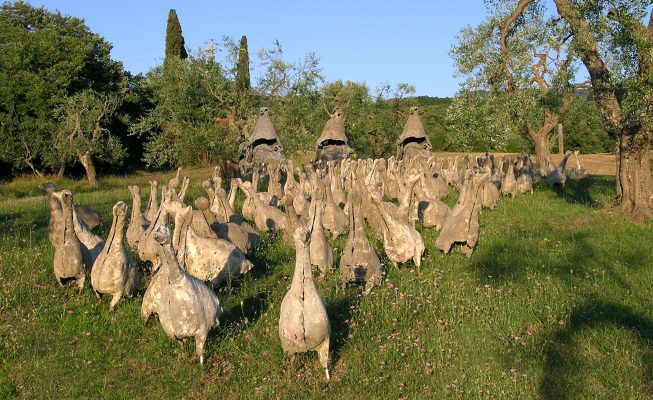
pixel 555 303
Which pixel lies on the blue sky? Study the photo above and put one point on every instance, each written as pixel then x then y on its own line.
pixel 362 41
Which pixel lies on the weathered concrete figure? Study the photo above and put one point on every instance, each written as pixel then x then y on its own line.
pixel 401 241
pixel 153 203
pixel 174 182
pixel 137 223
pixel 208 259
pixel 187 306
pixel 68 260
pixel 113 272
pixel 462 225
pixel 413 142
pixel 359 262
pixel 266 217
pixel 577 172
pixel 263 145
pixel 558 176
pixel 90 217
pixel 148 246
pixel 332 143
pixel 92 244
pixel 321 252
pixel 303 321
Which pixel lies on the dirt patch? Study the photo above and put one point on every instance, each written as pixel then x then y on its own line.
pixel 596 164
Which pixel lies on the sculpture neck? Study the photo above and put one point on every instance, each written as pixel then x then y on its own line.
pixel 173 271
pixel 303 272
pixel 136 206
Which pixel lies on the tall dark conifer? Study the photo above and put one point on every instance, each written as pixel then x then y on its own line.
pixel 243 83
pixel 175 46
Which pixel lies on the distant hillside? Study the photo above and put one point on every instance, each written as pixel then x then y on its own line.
pixel 432 101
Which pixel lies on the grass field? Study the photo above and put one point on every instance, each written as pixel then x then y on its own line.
pixel 555 303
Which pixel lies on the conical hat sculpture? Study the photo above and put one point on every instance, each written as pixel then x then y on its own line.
pixel 333 143
pixel 263 145
pixel 413 141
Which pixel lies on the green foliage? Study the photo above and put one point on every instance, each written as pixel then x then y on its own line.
pixel 529 78
pixel 45 58
pixel 83 120
pixel 554 303
pixel 291 90
pixel 188 95
pixel 243 84
pixel 175 45
pixel 583 128
pixel 480 121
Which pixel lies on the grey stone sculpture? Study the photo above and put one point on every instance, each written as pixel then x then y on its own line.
pixel 400 240
pixel 359 262
pixel 113 272
pixel 303 321
pixel 321 253
pixel 208 259
pixel 90 217
pixel 558 176
pixel 137 223
pixel 153 204
pixel 462 225
pixel 68 261
pixel 332 143
pixel 187 306
pixel 263 145
pixel 509 183
pixel 577 172
pixel 413 142
pixel 266 217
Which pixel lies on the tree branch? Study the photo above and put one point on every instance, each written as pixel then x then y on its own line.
pixel 504 26
pixel 600 76
pixel 97 131
pixel 539 70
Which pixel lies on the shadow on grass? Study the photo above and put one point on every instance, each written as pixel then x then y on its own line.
pixel 592 191
pixel 340 316
pixel 240 316
pixel 567 256
pixel 559 380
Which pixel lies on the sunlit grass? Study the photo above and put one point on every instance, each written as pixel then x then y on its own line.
pixel 554 303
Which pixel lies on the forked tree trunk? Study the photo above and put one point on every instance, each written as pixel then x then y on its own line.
pixel 541 138
pixel 33 168
pixel 87 162
pixel 635 183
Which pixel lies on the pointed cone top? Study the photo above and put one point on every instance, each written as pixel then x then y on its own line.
pixel 413 128
pixel 334 128
pixel 263 128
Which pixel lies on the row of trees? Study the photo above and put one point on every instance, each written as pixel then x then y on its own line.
pixel 64 102
pixel 526 58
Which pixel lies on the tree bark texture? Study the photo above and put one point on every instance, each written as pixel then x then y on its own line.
pixel 634 180
pixel 87 161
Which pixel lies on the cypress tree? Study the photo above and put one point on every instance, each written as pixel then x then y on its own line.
pixel 242 68
pixel 175 45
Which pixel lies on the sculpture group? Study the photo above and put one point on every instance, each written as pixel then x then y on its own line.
pixel 336 195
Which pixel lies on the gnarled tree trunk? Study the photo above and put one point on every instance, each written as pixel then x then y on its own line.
pixel 541 138
pixel 87 161
pixel 634 183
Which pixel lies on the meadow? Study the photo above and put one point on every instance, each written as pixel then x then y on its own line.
pixel 554 303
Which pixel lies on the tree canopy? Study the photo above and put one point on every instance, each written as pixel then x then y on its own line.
pixel 46 58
